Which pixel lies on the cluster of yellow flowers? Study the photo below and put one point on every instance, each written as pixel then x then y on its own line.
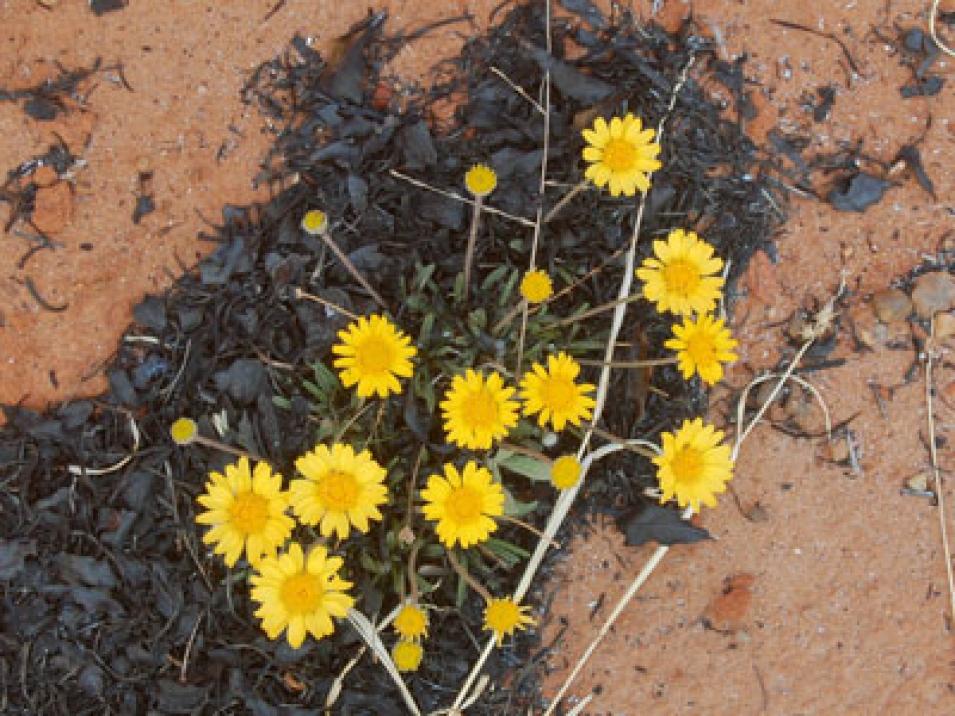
pixel 249 512
pixel 682 277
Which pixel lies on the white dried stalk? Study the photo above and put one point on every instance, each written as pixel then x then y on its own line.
pixel 367 632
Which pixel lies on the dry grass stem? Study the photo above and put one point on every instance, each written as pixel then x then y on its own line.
pixel 610 305
pixel 518 89
pixel 466 576
pixel 352 269
pixel 936 472
pixel 541 193
pixel 370 636
pixel 566 199
pixel 472 240
pixel 80 470
pixel 566 498
pixel 530 528
pixel 299 294
pixel 820 324
pixel 457 197
pixel 933 30
pixel 631 363
pixel 634 587
pixel 544 539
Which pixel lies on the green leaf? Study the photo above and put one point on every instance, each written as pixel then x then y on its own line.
pixel 325 378
pixel 477 320
pixel 427 325
pixel 279 402
pixel 423 275
pixel 508 289
pixel 509 552
pixel 516 508
pixel 530 467
pixel 494 277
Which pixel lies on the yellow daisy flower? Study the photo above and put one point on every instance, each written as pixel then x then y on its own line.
pixel 183 431
pixel 411 622
pixel 373 354
pixel 554 393
pixel 300 594
pixel 702 346
pixel 536 286
pixel 480 180
pixel 463 504
pixel 621 154
pixel 341 489
pixel 314 222
pixel 681 277
pixel 504 617
pixel 407 655
pixel 694 465
pixel 246 510
pixel 478 411
pixel 565 472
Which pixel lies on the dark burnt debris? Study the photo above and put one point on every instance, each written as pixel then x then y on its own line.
pixel 63 93
pixel 110 600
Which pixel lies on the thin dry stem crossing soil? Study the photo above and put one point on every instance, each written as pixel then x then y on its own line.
pixel 825 587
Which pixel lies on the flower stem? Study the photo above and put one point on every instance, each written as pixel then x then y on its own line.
pixel 610 305
pixel 466 576
pixel 566 199
pixel 298 293
pixel 671 360
pixel 472 240
pixel 530 528
pixel 209 442
pixel 352 269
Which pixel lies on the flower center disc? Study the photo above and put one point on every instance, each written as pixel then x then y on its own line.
pixel 374 355
pixel 480 409
pixel 302 593
pixel 503 616
pixel 701 349
pixel 338 491
pixel 464 505
pixel 558 393
pixel 249 512
pixel 687 465
pixel 681 277
pixel 619 155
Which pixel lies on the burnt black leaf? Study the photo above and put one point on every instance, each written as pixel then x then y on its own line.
pixel 587 10
pixel 121 388
pixel 243 380
pixel 12 554
pixel 145 204
pixel 570 81
pixel 858 193
pixel 653 523
pixel 137 489
pixel 75 414
pixel 913 158
pixel 41 108
pixel 101 7
pixel 151 312
pixel 417 146
pixel 91 680
pixel 176 698
pixel 78 569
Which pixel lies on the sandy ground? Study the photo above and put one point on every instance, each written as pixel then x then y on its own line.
pixel 835 597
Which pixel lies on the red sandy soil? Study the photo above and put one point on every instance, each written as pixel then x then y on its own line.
pixel 836 597
pixel 835 600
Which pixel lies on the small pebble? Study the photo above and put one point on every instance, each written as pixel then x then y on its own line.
pixel 944 325
pixel 933 292
pixel 891 305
